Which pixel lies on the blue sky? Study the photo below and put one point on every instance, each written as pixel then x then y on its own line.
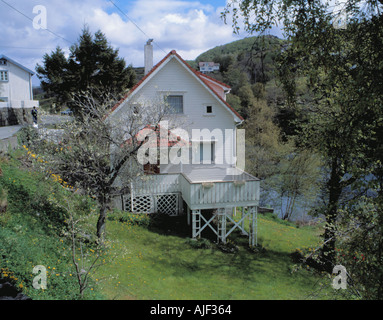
pixel 188 26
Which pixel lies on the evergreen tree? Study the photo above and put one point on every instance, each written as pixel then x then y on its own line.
pixel 52 76
pixel 92 65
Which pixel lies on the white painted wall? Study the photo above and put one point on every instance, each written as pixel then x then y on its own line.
pixel 174 78
pixel 18 88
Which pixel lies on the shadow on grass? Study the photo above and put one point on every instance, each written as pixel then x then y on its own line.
pixel 209 257
pixel 177 225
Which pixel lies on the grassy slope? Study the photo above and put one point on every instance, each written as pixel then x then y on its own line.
pixel 31 233
pixel 157 265
pixel 158 262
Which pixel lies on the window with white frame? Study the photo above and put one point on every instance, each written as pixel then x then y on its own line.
pixel 3 75
pixel 207 152
pixel 208 110
pixel 3 62
pixel 175 104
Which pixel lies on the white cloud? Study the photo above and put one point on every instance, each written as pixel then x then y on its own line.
pixel 189 27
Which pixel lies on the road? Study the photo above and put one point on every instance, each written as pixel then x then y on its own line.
pixel 6 132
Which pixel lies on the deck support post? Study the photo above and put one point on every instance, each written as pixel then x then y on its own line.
pixel 243 221
pixel 196 223
pixel 221 213
pixel 253 236
pixel 199 223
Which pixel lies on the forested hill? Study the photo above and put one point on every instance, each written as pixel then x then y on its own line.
pixel 253 55
pixel 250 67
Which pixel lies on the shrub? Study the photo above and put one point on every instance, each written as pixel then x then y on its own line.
pixel 26 136
pixel 3 200
pixel 200 243
pixel 139 219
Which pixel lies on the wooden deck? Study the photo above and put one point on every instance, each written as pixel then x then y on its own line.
pixel 203 188
pixel 206 188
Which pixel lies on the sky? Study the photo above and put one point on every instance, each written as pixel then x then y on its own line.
pixel 31 28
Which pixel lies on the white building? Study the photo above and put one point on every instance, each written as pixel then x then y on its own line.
pixel 15 85
pixel 206 67
pixel 211 179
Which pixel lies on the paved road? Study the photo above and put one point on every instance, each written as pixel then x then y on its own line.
pixel 6 132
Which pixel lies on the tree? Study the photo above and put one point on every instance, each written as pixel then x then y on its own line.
pixel 98 151
pixel 288 173
pixel 52 76
pixel 263 138
pixel 344 75
pixel 298 180
pixel 92 63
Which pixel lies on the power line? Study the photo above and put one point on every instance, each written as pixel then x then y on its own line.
pixel 135 24
pixel 29 18
pixel 29 48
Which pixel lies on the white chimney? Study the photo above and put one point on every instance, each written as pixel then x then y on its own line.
pixel 148 55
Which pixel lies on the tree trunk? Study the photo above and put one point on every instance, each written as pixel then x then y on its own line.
pixel 335 189
pixel 101 223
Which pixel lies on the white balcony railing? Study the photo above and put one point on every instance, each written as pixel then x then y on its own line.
pixel 202 194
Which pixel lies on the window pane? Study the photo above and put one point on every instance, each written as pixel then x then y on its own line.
pixel 175 104
pixel 207 156
pixel 3 76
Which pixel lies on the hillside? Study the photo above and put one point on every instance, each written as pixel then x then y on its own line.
pixel 250 67
pixel 253 55
pixel 148 257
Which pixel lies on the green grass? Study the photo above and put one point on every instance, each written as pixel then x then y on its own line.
pixel 32 232
pixel 153 258
pixel 158 263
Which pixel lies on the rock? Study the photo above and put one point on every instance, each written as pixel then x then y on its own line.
pixel 7 289
pixel 9 292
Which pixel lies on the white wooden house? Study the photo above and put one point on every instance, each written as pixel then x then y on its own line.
pixel 16 89
pixel 211 178
pixel 207 67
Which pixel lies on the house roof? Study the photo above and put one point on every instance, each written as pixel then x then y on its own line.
pixel 206 80
pixel 16 63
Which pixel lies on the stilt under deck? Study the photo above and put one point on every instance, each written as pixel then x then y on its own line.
pixel 199 223
pixel 202 188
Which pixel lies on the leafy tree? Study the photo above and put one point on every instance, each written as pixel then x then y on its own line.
pixel 97 153
pixel 287 172
pixel 92 63
pixel 342 66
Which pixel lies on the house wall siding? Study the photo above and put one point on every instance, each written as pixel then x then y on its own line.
pixel 18 86
pixel 173 78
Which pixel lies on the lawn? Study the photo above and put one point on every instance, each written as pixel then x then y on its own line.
pixel 161 262
pixel 153 258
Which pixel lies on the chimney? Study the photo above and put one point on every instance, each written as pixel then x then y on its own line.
pixel 148 55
